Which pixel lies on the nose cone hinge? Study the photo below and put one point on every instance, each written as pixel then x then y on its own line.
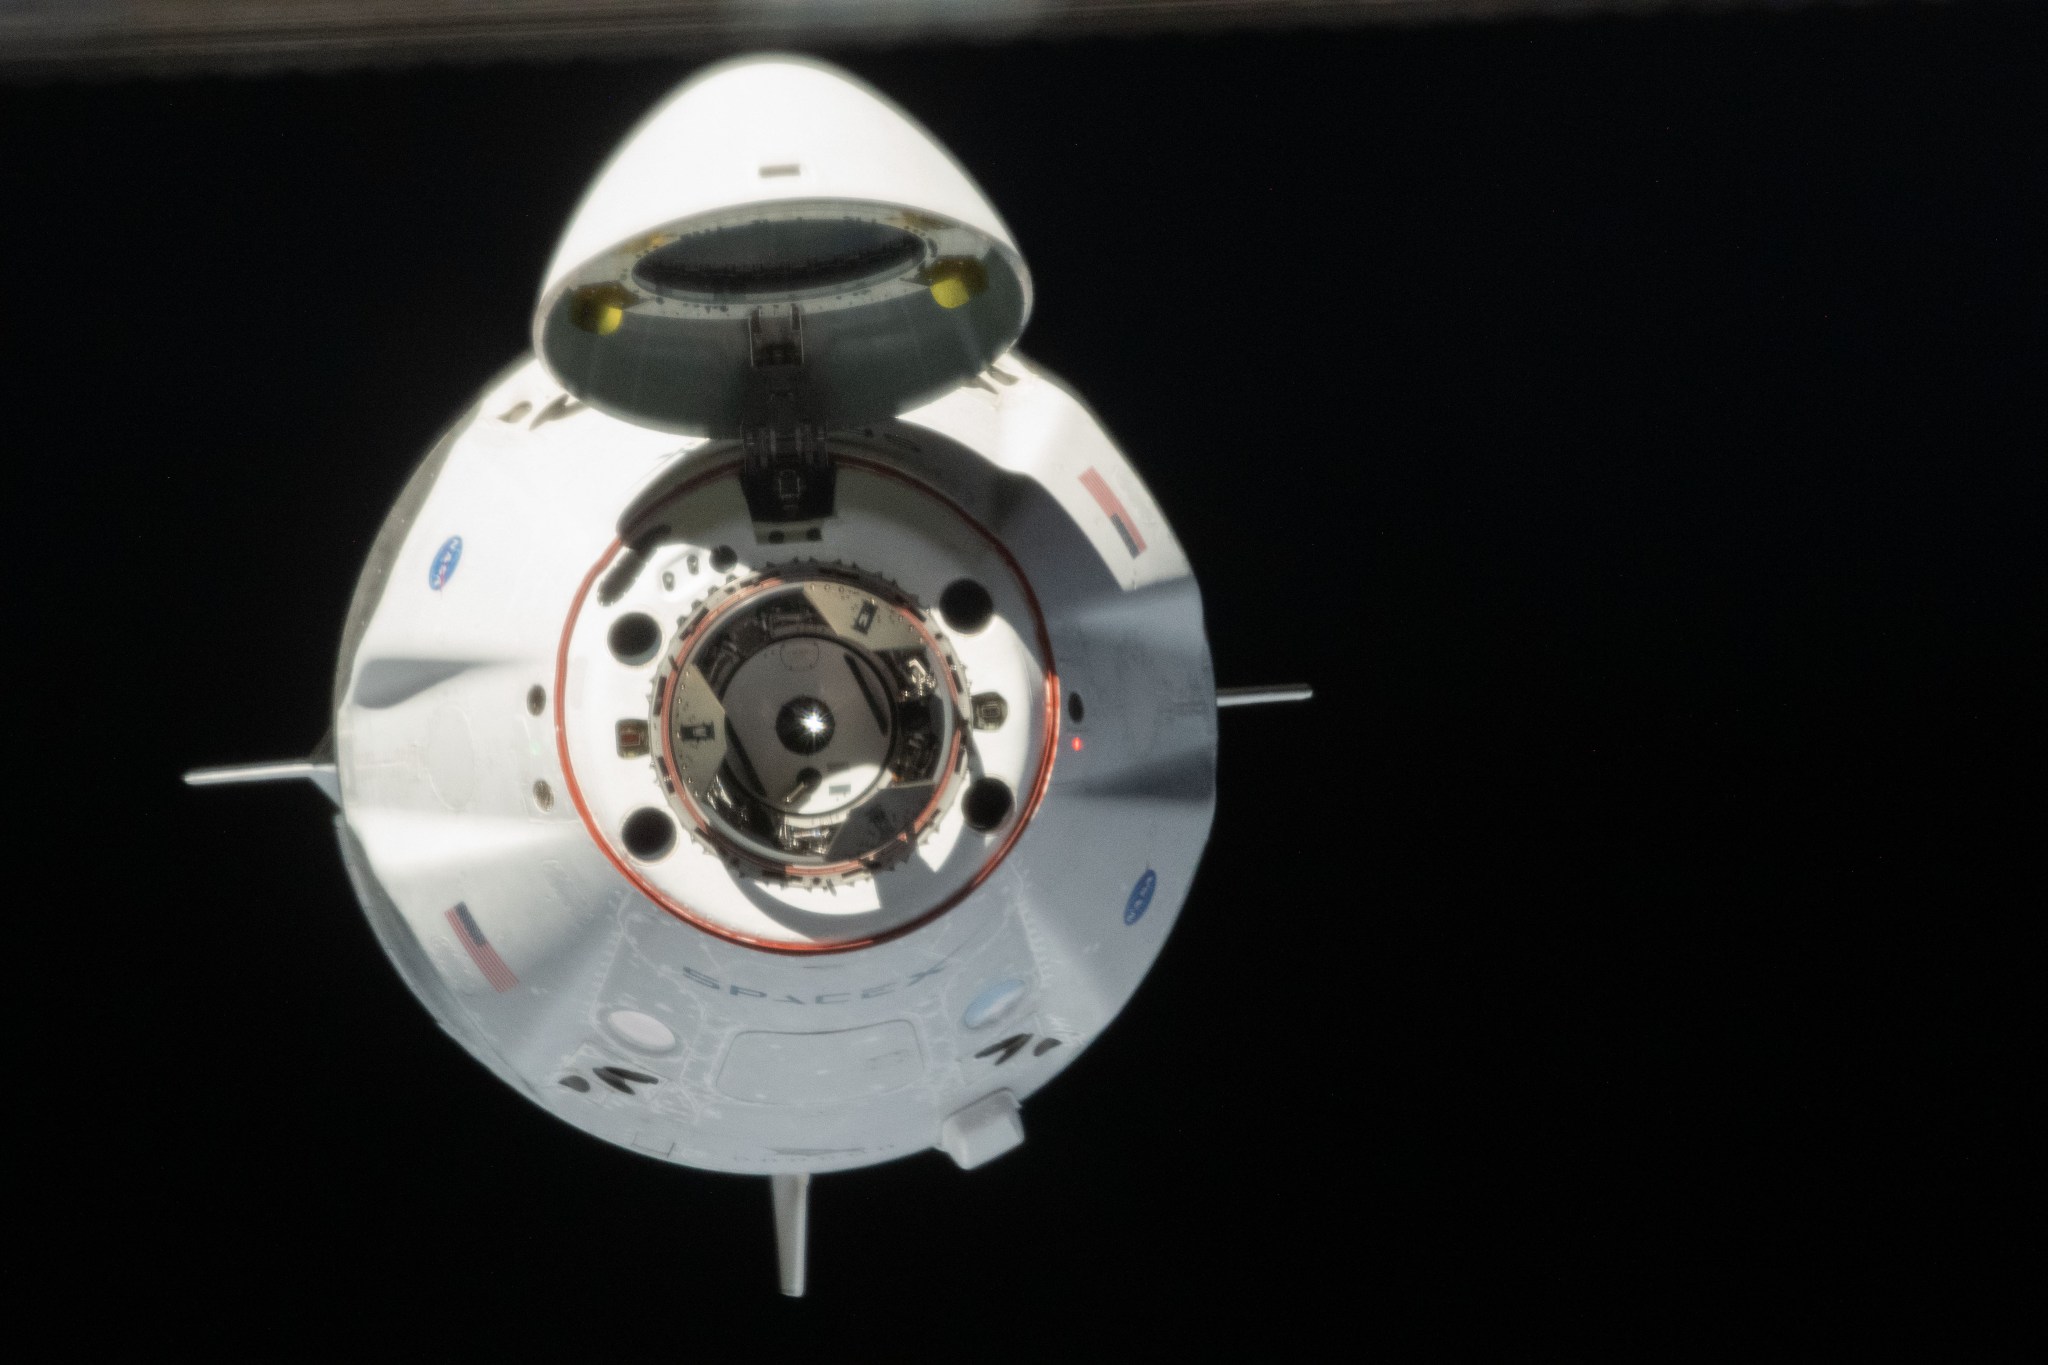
pixel 787 474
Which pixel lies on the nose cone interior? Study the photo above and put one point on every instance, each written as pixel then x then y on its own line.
pixel 776 214
pixel 770 261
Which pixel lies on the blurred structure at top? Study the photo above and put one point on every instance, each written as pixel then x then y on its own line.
pixel 60 38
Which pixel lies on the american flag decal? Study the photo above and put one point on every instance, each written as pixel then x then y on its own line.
pixel 480 950
pixel 1114 510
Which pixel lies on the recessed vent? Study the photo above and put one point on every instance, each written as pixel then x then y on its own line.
pixel 623 1079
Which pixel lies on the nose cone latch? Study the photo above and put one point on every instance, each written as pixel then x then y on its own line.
pixel 787 474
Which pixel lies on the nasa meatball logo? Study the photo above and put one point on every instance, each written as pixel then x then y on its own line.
pixel 1141 897
pixel 445 560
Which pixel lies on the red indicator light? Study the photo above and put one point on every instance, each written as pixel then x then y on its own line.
pixel 1077 744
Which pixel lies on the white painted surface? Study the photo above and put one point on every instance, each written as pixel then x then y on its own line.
pixel 780 1063
pixel 983 1130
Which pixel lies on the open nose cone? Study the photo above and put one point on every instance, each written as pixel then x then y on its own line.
pixel 776 214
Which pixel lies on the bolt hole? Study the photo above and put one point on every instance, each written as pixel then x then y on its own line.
pixel 648 834
pixel 536 700
pixel 575 1083
pixel 987 803
pixel 723 558
pixel 1076 712
pixel 966 605
pixel 635 638
pixel 543 795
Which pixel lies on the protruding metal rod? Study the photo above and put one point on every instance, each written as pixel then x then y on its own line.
pixel 320 775
pixel 792 1197
pixel 1261 696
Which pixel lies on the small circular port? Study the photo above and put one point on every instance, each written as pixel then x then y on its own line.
pixel 648 834
pixel 987 803
pixel 635 638
pixel 966 605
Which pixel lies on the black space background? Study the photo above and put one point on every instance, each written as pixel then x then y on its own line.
pixel 1632 427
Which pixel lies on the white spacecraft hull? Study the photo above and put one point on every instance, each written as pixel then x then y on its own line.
pixel 558 967
pixel 774 730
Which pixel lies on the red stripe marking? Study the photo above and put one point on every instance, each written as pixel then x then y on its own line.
pixel 1099 489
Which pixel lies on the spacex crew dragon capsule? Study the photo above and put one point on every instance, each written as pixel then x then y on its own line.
pixel 774 731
